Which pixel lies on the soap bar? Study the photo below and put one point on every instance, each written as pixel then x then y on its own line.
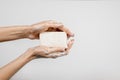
pixel 53 39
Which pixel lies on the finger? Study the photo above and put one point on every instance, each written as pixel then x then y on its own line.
pixel 52 22
pixel 51 56
pixel 69 33
pixel 49 21
pixel 54 25
pixel 55 55
pixel 70 44
pixel 55 49
pixel 47 56
pixel 48 27
pixel 43 26
pixel 44 22
pixel 48 50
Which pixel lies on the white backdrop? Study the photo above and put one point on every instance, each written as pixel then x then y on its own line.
pixel 96 52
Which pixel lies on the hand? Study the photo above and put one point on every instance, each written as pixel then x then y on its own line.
pixel 47 52
pixel 44 26
pixel 42 52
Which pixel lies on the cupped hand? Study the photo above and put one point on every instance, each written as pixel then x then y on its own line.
pixel 48 52
pixel 45 26
pixel 42 52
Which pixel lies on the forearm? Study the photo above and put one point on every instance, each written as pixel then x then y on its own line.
pixel 7 71
pixel 14 32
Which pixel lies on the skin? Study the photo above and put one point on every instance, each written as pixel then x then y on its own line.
pixel 31 32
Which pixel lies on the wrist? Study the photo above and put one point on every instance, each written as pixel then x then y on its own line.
pixel 32 32
pixel 27 31
pixel 27 56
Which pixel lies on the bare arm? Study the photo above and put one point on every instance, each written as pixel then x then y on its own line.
pixel 7 71
pixel 14 32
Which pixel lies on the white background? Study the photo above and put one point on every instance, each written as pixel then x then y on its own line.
pixel 96 52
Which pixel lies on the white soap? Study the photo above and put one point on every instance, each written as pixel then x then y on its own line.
pixel 53 39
